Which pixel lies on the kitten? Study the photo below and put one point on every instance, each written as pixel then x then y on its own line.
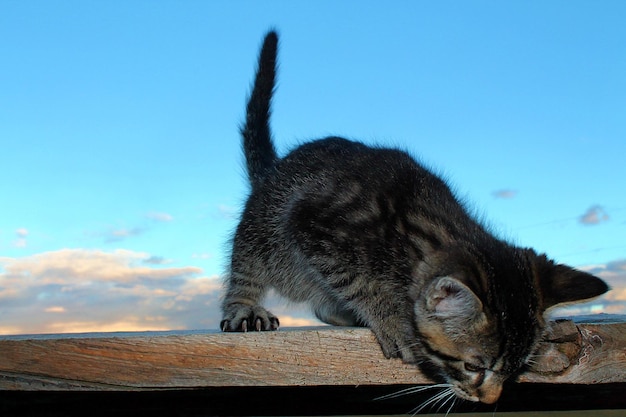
pixel 369 237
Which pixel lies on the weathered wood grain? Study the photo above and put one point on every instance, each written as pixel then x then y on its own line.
pixel 572 354
pixel 581 354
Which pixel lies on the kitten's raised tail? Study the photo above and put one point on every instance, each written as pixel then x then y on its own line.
pixel 257 138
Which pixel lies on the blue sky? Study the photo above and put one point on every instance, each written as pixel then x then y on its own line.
pixel 122 174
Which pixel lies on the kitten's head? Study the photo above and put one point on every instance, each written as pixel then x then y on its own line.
pixel 480 316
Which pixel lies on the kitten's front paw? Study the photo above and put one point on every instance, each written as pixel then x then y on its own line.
pixel 241 318
pixel 397 343
pixel 393 350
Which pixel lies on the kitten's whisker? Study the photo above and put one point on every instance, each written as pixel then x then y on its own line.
pixel 444 396
pixel 433 400
pixel 411 390
pixel 454 398
pixel 449 395
pixel 425 404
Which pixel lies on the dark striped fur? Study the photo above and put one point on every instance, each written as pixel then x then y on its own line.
pixel 369 237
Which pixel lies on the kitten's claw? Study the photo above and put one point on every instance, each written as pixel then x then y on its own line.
pixel 241 318
pixel 225 326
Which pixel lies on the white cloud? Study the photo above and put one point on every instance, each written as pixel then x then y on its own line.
pixel 160 217
pixel 131 324
pixel 55 309
pixel 157 260
pixel 202 256
pixel 594 215
pixel 226 212
pixel 22 234
pixel 117 235
pixel 91 290
pixel 20 243
pixel 69 266
pixel 505 194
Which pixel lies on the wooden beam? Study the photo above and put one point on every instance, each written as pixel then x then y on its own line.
pixel 573 353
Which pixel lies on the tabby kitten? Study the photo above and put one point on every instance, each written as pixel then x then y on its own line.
pixel 369 237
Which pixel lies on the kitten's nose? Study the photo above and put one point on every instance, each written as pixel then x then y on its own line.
pixel 489 394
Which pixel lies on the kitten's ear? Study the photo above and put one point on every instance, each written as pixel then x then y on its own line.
pixel 562 284
pixel 448 297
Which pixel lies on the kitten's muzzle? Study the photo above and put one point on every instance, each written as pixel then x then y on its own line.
pixel 488 392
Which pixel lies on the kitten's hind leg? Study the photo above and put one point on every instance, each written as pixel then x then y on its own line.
pixel 241 310
pixel 337 315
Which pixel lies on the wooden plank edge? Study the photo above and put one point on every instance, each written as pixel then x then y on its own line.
pixel 575 353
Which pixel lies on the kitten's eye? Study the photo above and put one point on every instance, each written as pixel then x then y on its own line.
pixel 473 368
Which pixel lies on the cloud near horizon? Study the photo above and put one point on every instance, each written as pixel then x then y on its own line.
pixel 80 290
